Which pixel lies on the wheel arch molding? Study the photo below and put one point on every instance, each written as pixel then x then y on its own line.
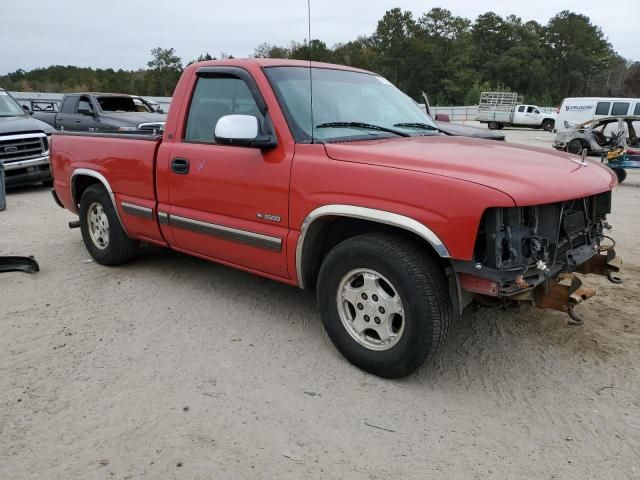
pixel 307 244
pixel 90 177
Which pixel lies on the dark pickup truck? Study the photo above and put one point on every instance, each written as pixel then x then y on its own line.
pixel 24 144
pixel 103 112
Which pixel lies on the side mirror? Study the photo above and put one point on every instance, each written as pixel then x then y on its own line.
pixel 159 110
pixel 27 109
pixel 85 111
pixel 442 117
pixel 242 131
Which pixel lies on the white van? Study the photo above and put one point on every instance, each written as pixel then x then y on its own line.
pixel 577 110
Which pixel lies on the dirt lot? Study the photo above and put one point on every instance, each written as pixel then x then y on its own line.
pixel 172 367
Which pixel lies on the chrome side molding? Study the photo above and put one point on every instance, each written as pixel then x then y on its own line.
pixel 363 213
pixel 220 231
pixel 137 210
pixel 163 218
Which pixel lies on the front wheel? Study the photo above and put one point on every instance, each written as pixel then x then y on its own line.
pixel 548 124
pixel 384 303
pixel 104 237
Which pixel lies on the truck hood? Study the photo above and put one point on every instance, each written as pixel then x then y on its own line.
pixel 133 118
pixel 529 175
pixel 23 124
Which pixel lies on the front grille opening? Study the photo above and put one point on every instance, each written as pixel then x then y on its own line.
pixel 18 149
pixel 519 237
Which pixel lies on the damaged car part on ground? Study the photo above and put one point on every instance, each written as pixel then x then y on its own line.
pixel 531 254
pixel 18 264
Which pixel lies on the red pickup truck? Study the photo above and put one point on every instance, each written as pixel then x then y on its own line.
pixel 357 194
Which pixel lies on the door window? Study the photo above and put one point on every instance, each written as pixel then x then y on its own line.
pixel 620 108
pixel 213 98
pixel 636 110
pixel 521 108
pixel 530 109
pixel 85 104
pixel 603 108
pixel 69 104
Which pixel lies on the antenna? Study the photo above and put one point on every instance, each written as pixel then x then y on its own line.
pixel 310 67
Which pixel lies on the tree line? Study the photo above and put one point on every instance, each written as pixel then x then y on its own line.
pixel 451 58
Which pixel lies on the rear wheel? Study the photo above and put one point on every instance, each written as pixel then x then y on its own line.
pixel 384 303
pixel 102 233
pixel 494 125
pixel 621 173
pixel 548 124
pixel 575 146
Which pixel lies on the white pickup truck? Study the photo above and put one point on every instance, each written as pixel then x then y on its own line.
pixel 505 109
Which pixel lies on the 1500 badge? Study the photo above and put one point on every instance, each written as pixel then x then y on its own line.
pixel 268 217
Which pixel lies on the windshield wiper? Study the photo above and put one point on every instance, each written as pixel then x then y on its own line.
pixel 363 125
pixel 421 126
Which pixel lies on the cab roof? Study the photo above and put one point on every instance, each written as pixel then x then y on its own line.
pixel 276 62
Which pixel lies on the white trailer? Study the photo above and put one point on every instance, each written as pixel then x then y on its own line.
pixel 507 109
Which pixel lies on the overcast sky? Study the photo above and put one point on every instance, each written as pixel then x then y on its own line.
pixel 120 34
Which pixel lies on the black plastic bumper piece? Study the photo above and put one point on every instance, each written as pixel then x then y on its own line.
pixel 19 264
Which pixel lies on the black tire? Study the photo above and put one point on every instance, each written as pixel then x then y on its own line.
pixel 118 247
pixel 548 124
pixel 621 173
pixel 575 146
pixel 493 126
pixel 421 285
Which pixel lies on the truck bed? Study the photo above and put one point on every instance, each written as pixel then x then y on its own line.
pixel 125 161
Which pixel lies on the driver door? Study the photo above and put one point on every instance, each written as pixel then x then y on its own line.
pixel 532 116
pixel 227 203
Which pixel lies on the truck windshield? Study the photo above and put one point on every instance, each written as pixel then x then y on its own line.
pixel 345 104
pixel 9 107
pixel 117 104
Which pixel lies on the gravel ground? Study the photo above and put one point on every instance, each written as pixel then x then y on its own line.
pixel 172 367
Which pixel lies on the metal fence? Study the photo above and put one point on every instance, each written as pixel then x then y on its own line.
pixel 456 114
pixel 25 98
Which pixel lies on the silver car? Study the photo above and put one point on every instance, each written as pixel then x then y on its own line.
pixel 600 136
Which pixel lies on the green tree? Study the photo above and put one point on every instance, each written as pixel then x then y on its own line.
pixel 166 68
pixel 269 50
pixel 632 80
pixel 578 52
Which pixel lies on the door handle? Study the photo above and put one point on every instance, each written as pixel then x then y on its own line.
pixel 77 121
pixel 180 166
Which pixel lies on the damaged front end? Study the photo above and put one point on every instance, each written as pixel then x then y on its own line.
pixel 531 254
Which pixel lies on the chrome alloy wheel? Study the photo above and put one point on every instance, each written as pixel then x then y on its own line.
pixel 98 224
pixel 370 309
